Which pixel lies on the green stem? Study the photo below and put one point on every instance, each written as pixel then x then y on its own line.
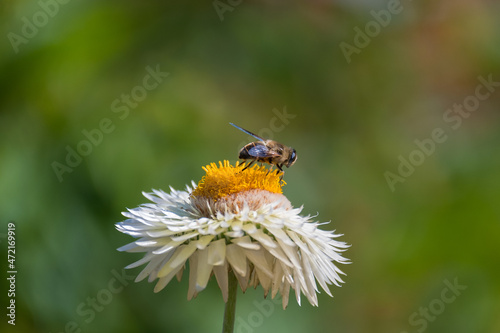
pixel 230 310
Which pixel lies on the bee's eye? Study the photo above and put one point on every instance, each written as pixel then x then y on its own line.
pixel 293 157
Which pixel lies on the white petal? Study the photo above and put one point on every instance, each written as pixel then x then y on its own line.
pixel 217 252
pixel 281 235
pixel 204 241
pixel 203 270
pixel 237 259
pixel 162 282
pixel 278 253
pixel 185 237
pixel 139 262
pixel 220 273
pixel 167 247
pixel 150 242
pixel 193 273
pixel 234 234
pixel 291 252
pixel 179 273
pixel 180 257
pixel 264 280
pixel 160 233
pixel 285 293
pixel 278 279
pixel 261 237
pixel 244 280
pixel 296 288
pixel 153 264
pixel 246 243
pixel 310 287
pixel 128 247
pixel 258 258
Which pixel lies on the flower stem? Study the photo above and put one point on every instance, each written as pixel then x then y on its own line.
pixel 230 310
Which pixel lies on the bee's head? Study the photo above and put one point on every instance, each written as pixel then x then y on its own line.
pixel 292 159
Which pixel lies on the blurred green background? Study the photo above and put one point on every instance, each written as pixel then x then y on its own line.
pixel 281 69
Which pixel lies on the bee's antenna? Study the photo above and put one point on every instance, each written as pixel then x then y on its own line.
pixel 248 132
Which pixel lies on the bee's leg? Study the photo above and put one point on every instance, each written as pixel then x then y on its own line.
pixel 269 170
pixel 279 167
pixel 247 166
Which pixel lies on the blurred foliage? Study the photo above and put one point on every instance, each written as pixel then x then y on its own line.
pixel 351 122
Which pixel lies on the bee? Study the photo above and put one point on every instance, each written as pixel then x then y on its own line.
pixel 267 151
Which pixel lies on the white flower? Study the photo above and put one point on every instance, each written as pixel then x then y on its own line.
pixel 253 232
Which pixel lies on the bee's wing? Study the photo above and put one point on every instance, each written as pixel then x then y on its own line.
pixel 261 150
pixel 248 132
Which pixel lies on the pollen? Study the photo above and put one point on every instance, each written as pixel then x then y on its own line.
pixel 225 179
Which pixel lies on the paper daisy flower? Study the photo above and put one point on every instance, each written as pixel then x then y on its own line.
pixel 233 221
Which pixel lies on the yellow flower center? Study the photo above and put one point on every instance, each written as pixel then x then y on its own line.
pixel 220 181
